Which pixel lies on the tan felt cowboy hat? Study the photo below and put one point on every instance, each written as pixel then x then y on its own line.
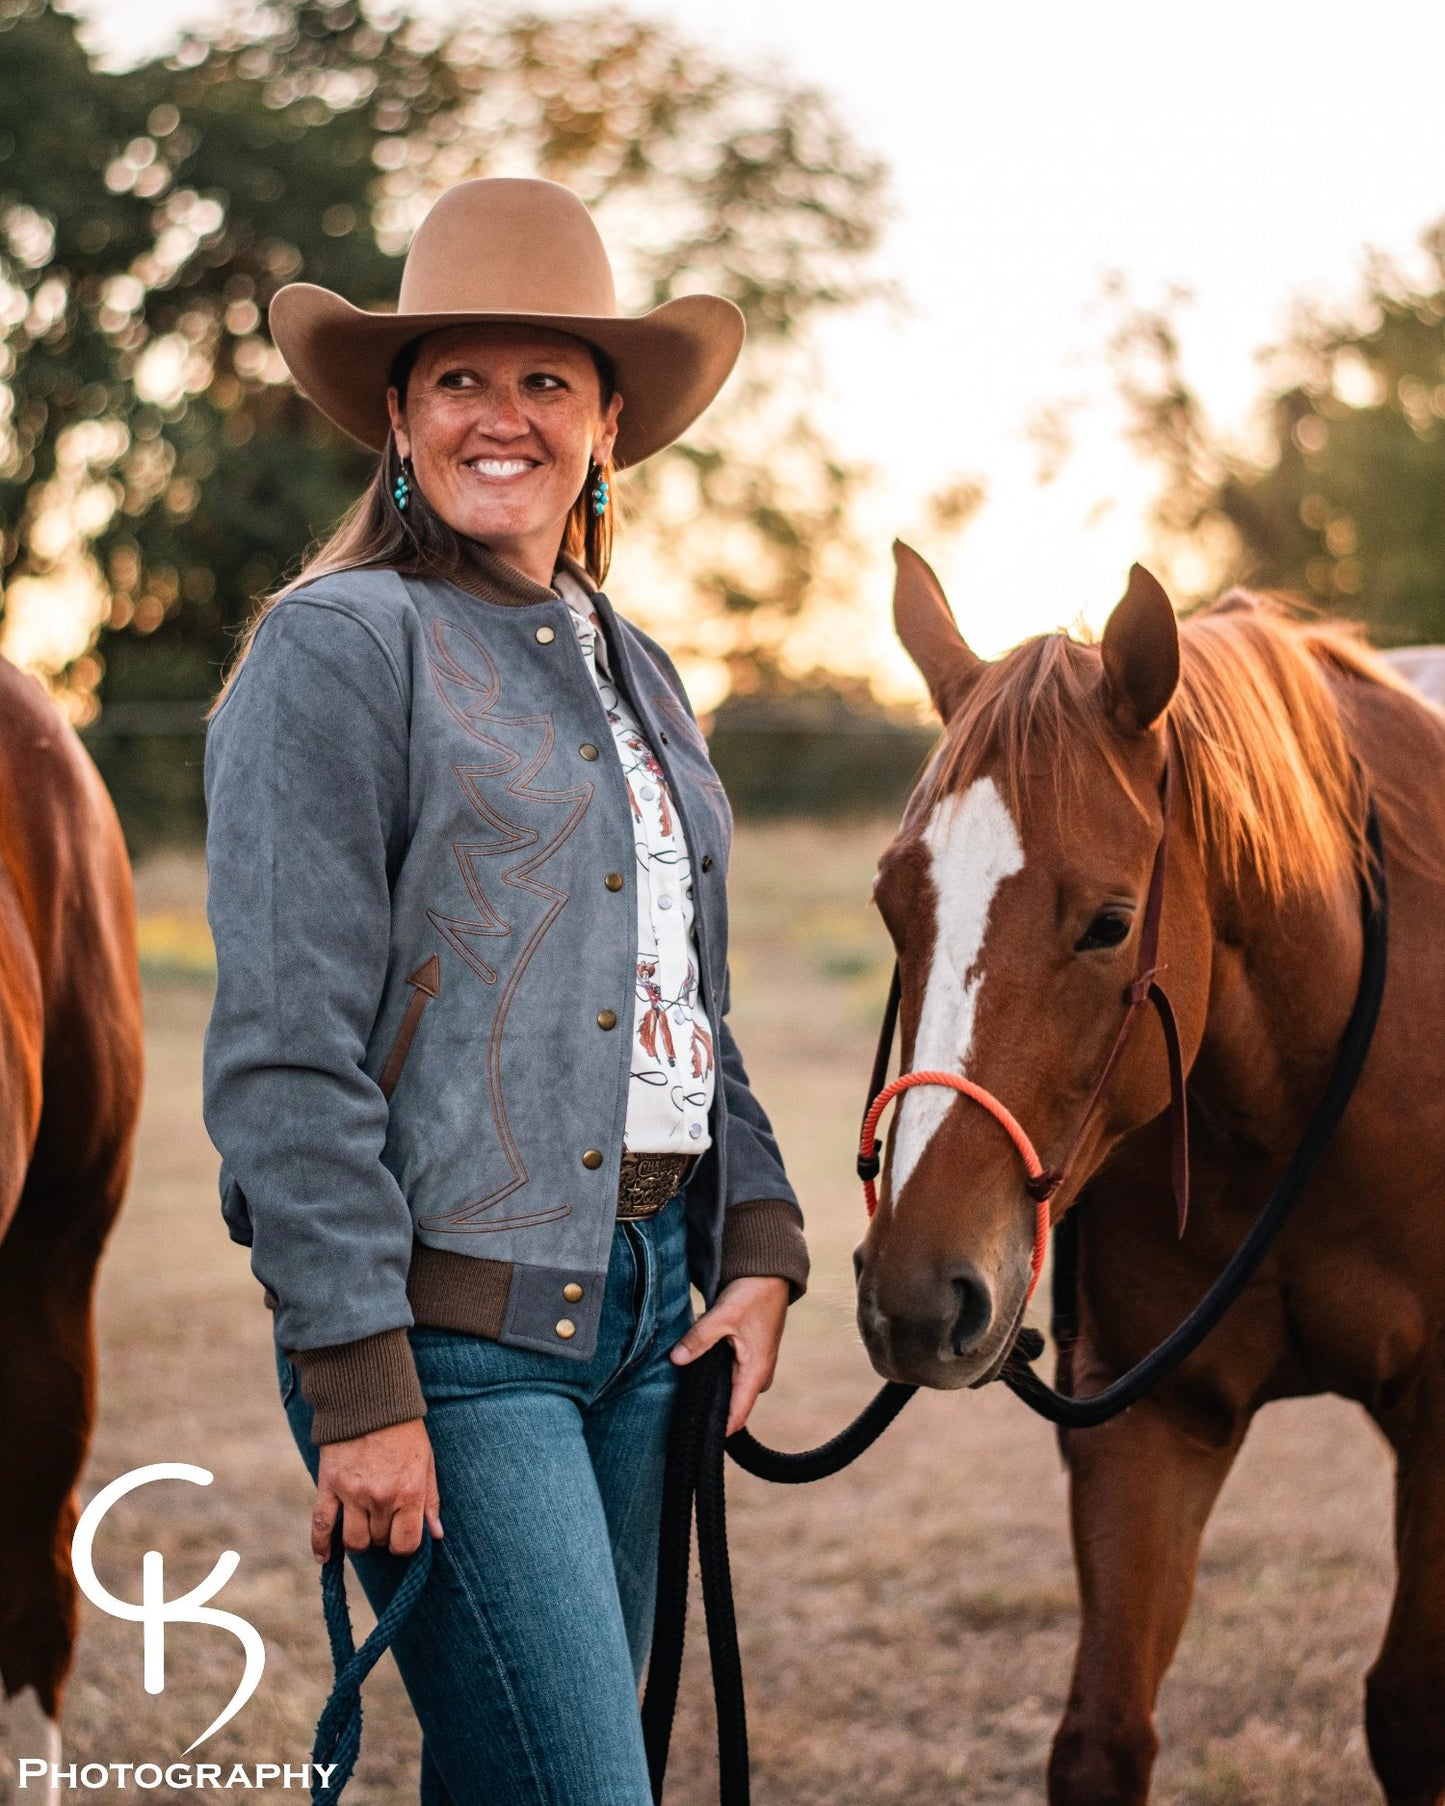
pixel 523 251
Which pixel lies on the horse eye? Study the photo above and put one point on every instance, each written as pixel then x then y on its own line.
pixel 1107 929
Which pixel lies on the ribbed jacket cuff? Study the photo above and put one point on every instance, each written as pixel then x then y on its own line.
pixel 762 1238
pixel 353 1387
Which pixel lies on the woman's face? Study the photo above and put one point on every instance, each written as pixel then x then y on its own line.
pixel 499 423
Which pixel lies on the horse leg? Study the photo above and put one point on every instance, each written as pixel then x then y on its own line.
pixel 34 1736
pixel 48 1262
pixel 1140 1492
pixel 1405 1689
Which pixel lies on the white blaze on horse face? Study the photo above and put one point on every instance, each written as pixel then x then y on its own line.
pixel 973 846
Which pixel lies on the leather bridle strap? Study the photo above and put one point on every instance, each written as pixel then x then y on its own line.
pixel 1145 988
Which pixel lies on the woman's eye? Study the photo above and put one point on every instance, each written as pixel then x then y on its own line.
pixel 1108 929
pixel 542 379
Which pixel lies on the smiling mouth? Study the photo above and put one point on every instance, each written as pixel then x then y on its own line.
pixel 500 470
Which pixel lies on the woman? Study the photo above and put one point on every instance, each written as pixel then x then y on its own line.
pixel 469 1067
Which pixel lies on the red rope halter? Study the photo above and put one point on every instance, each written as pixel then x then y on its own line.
pixel 1042 1182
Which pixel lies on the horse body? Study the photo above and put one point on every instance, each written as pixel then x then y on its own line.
pixel 70 1084
pixel 1260 951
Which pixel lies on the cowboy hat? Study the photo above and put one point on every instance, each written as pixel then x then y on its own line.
pixel 520 251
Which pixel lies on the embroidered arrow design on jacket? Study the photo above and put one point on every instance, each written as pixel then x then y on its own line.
pixel 469 685
pixel 426 983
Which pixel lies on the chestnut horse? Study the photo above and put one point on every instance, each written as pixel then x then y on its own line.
pixel 70 1083
pixel 1014 892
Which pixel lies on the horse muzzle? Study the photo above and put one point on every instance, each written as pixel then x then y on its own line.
pixel 946 1324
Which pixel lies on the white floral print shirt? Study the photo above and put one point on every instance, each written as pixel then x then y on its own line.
pixel 672 1045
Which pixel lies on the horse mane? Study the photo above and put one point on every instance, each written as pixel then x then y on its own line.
pixel 1260 741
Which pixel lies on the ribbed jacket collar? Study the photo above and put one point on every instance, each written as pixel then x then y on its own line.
pixel 481 572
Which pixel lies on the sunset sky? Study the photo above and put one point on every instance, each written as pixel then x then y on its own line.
pixel 1248 153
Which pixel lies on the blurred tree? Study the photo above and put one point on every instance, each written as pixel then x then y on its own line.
pixel 1342 499
pixel 148 218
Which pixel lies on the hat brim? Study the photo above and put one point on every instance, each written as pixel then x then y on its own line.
pixel 670 363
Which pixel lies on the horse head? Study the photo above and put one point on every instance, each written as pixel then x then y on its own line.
pixel 1015 892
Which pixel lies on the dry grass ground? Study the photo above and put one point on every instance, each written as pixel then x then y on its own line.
pixel 908 1626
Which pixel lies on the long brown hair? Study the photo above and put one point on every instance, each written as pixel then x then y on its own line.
pixel 375 534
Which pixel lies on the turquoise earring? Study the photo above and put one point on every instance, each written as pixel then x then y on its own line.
pixel 599 494
pixel 401 491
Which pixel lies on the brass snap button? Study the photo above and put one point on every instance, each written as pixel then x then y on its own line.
pixel 546 635
pixel 707 862
pixel 587 750
pixel 592 1159
pixel 613 881
pixel 566 1329
pixel 572 1292
pixel 663 737
pixel 607 1018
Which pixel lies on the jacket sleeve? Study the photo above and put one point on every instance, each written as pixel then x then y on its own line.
pixel 763 1224
pixel 306 793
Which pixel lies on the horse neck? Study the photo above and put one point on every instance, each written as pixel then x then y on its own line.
pixel 1283 979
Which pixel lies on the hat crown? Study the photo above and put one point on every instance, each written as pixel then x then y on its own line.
pixel 508 244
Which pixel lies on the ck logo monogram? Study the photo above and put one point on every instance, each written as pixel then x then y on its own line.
pixel 155 1611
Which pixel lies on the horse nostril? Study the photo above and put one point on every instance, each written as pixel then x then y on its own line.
pixel 974 1311
pixel 858 1263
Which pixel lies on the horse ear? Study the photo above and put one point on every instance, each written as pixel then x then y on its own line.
pixel 1141 654
pixel 929 632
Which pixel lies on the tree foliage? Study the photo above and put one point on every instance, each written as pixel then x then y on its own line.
pixel 1342 499
pixel 147 217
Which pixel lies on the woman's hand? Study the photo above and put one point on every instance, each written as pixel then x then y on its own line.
pixel 384 1484
pixel 750 1314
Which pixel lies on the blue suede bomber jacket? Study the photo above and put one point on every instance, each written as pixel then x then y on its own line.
pixel 420 886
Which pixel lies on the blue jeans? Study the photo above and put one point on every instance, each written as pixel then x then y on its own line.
pixel 523 1656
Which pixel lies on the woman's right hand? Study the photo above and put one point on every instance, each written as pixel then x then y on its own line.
pixel 384 1484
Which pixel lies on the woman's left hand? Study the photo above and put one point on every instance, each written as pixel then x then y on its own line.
pixel 750 1314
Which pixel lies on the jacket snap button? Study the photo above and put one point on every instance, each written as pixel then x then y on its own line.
pixel 572 1292
pixel 663 738
pixel 592 1159
pixel 587 750
pixel 566 1329
pixel 707 862
pixel 607 1018
pixel 545 636
pixel 613 881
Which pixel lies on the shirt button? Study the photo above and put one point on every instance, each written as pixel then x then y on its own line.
pixel 694 1129
pixel 664 902
pixel 613 881
pixel 566 1329
pixel 572 1292
pixel 587 750
pixel 592 1159
pixel 545 636
pixel 707 862
pixel 607 1018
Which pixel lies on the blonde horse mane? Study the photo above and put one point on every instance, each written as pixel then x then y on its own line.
pixel 1261 746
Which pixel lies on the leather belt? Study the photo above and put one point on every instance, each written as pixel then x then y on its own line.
pixel 646 1182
